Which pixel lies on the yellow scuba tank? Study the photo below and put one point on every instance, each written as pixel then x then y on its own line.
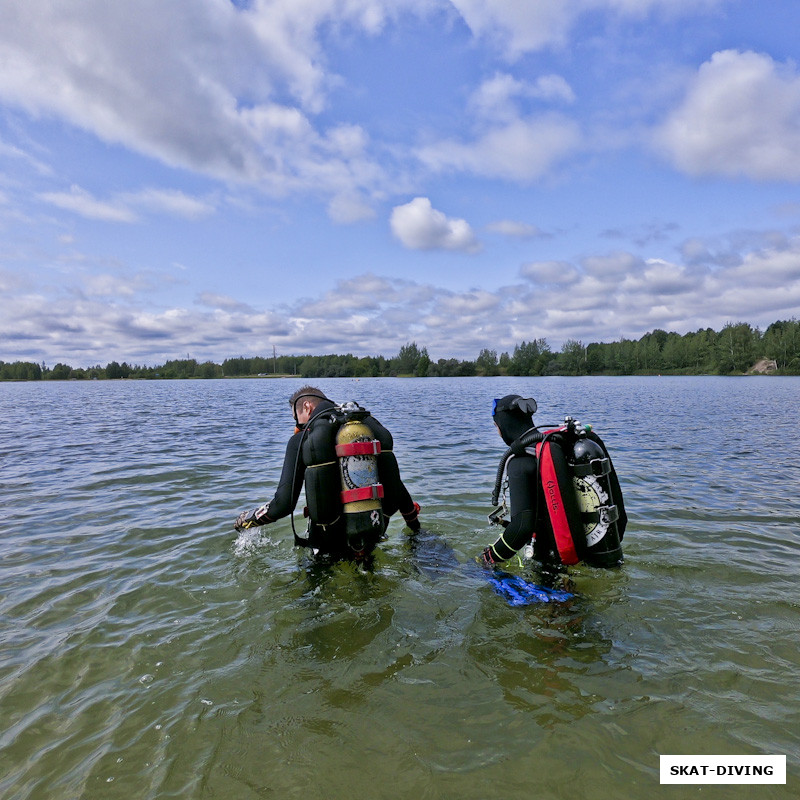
pixel 361 491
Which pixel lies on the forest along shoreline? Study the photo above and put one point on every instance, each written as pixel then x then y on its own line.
pixel 738 349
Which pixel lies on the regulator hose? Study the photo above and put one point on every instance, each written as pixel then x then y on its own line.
pixel 517 446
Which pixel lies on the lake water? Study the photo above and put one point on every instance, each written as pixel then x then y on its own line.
pixel 149 651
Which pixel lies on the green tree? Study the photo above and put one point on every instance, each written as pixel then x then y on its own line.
pixel 782 342
pixel 736 348
pixel 487 362
pixel 60 372
pixel 573 357
pixel 595 359
pixel 115 370
pixel 208 369
pixel 20 371
pixel 528 358
pixel 405 362
pixel 423 364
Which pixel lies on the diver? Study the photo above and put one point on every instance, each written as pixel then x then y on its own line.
pixel 352 479
pixel 566 501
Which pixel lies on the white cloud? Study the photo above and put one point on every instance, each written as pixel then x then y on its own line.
pixel 522 150
pixel 348 207
pixel 598 299
pixel 739 118
pixel 556 273
pixel 170 201
pixel 520 27
pixel 81 202
pixel 224 91
pixel 419 226
pixel 10 151
pixel 223 302
pixel 120 208
pixel 496 97
pixel 519 230
pixel 238 92
pixel 612 266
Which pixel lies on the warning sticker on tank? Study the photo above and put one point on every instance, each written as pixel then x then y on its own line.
pixel 591 497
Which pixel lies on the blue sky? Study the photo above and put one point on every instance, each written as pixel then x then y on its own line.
pixel 326 176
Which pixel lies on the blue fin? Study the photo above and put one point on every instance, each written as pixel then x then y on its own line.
pixel 519 592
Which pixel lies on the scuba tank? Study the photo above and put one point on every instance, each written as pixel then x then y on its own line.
pixel 591 468
pixel 361 491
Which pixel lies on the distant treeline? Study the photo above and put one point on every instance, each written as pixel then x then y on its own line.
pixel 732 351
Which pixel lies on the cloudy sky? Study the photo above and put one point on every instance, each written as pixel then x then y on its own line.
pixel 221 177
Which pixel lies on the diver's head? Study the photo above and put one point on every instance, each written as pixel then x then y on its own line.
pixel 513 415
pixel 304 401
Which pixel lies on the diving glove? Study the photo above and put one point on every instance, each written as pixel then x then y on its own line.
pixel 412 517
pixel 251 519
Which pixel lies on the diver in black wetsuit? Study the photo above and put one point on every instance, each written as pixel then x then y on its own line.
pixel 317 421
pixel 513 416
pixel 530 522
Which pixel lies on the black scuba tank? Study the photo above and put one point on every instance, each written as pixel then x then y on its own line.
pixel 591 469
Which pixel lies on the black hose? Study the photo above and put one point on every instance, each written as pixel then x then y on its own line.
pixel 517 447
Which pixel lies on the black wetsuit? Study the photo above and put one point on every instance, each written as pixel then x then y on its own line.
pixel 331 538
pixel 522 482
pixel 530 520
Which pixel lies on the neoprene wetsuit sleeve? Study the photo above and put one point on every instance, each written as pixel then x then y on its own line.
pixel 521 472
pixel 290 483
pixel 395 495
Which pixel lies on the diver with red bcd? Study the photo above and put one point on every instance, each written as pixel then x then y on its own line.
pixel 566 501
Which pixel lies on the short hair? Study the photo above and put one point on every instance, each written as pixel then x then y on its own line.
pixel 313 394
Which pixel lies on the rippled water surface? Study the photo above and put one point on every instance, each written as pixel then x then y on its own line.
pixel 148 651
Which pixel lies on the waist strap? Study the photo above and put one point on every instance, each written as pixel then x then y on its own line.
pixel 374 492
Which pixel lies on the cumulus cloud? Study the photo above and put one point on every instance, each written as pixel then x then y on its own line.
pixel 508 142
pixel 523 27
pixel 521 150
pixel 739 118
pixel 419 226
pixel 235 92
pixel 496 98
pixel 224 90
pixel 238 91
pixel 223 302
pixel 519 27
pixel 601 298
pixel 554 273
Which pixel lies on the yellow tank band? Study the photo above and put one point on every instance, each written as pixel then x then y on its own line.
pixel 327 463
pixel 326 525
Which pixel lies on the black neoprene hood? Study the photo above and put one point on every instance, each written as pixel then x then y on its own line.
pixel 512 422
